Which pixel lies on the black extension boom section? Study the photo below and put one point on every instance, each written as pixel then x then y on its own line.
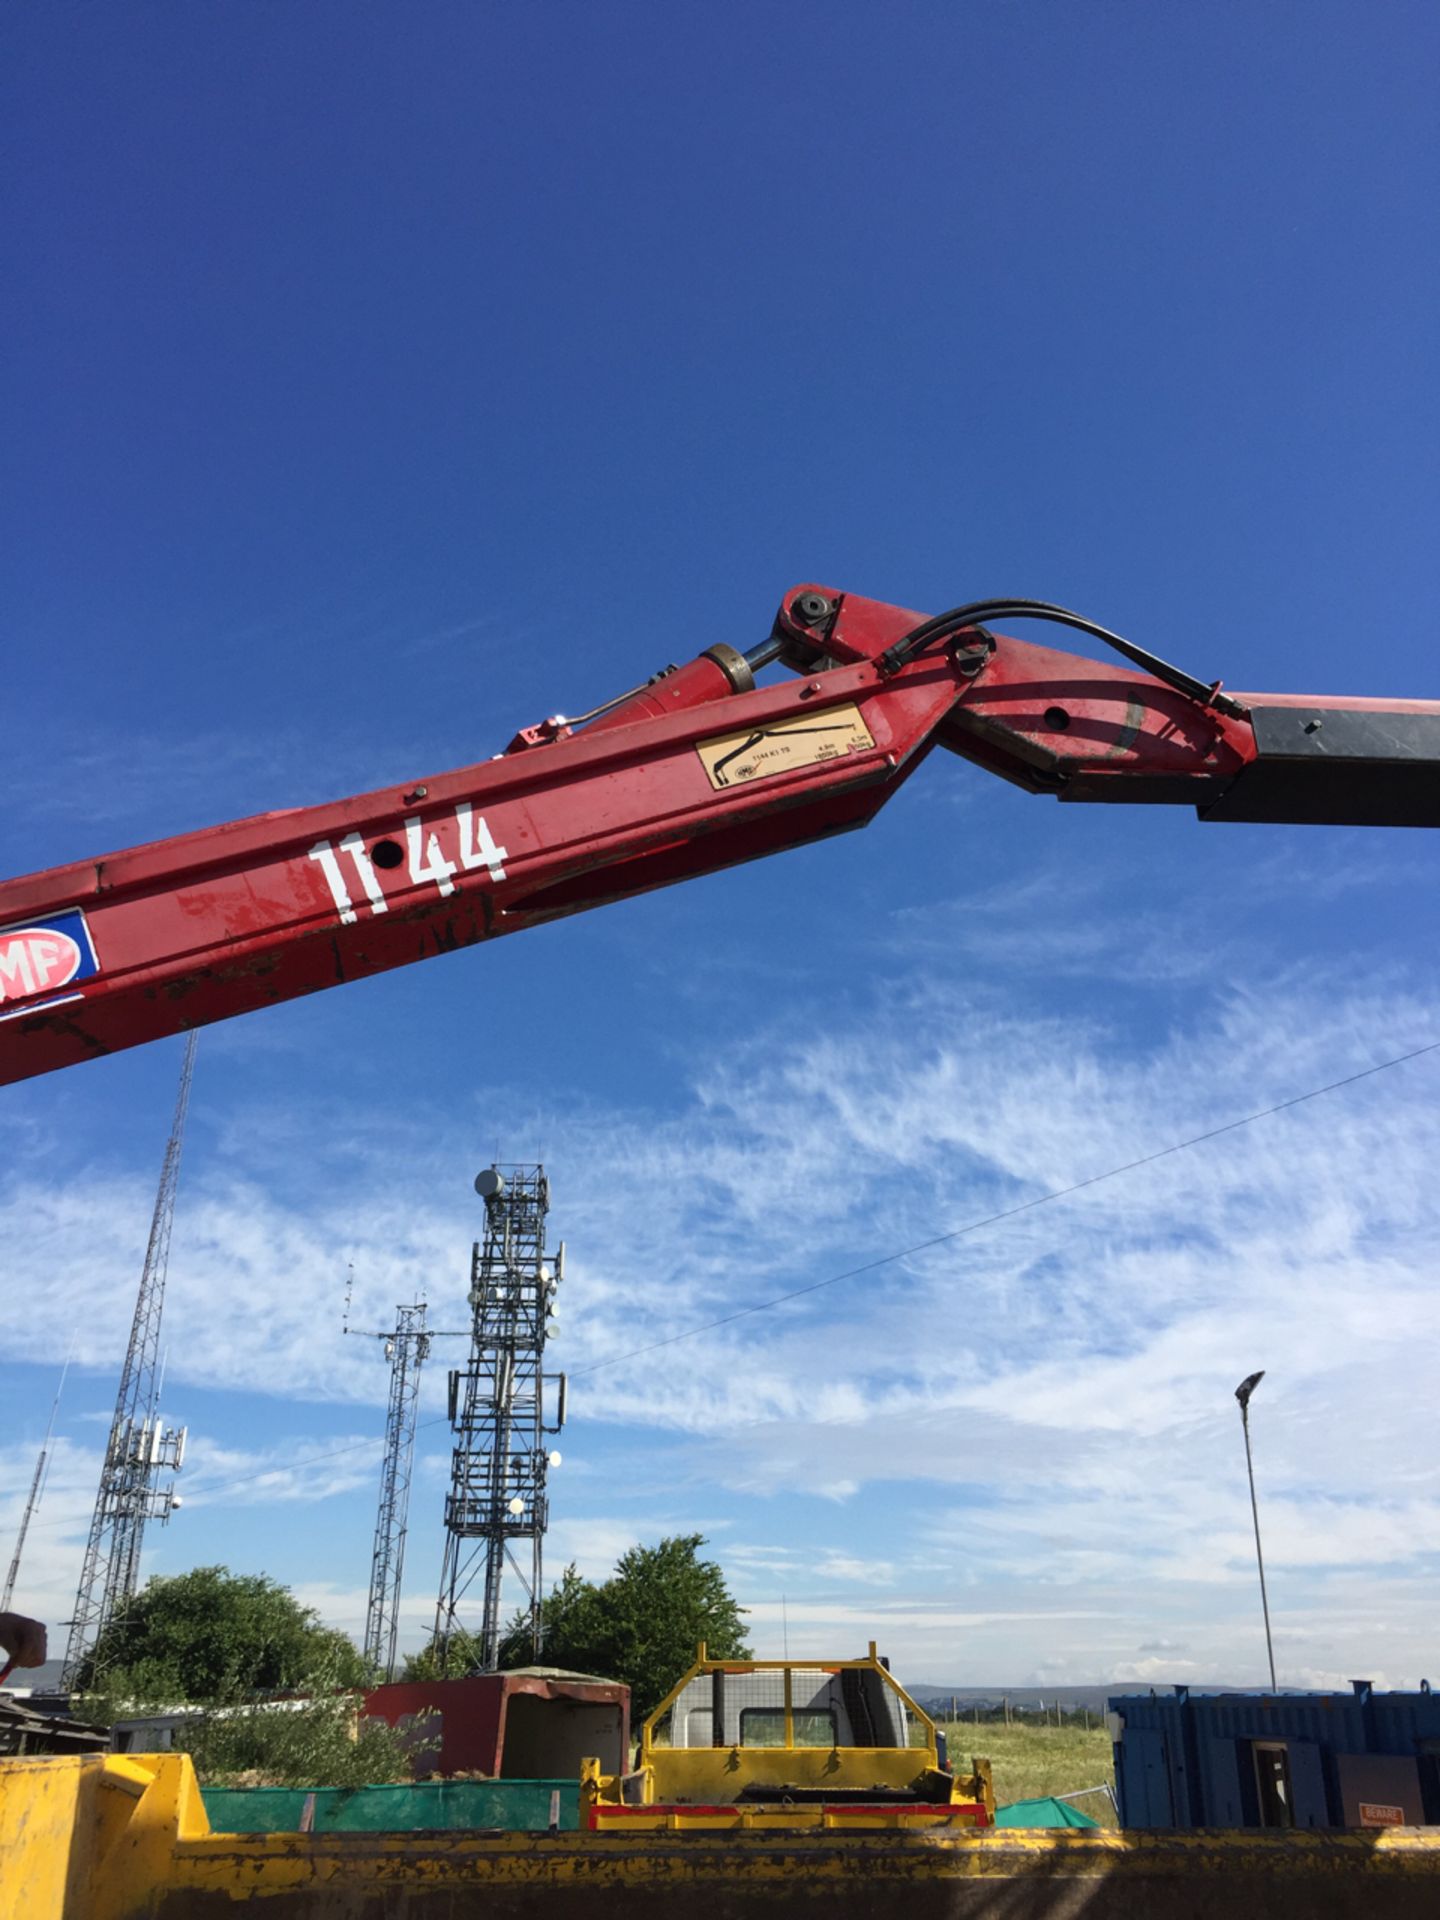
pixel 1360 765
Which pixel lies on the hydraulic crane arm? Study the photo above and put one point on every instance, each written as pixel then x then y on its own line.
pixel 697 770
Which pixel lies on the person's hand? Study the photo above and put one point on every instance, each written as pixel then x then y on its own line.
pixel 23 1640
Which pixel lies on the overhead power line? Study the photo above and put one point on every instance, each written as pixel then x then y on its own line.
pixel 887 1259
pixel 1007 1213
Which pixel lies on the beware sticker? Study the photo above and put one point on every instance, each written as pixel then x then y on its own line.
pixel 1375 1813
pixel 732 759
pixel 39 956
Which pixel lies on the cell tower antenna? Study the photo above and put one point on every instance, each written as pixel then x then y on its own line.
pixel 140 1447
pixel 37 1487
pixel 497 1502
pixel 407 1349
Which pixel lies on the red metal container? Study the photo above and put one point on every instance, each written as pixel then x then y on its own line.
pixel 532 1724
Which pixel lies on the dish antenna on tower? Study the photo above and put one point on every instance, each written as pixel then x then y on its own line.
pixel 490 1184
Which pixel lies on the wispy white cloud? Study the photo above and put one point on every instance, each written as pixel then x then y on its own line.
pixel 1046 1400
pixel 293 1472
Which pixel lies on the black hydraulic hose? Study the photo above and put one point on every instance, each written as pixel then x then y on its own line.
pixel 930 633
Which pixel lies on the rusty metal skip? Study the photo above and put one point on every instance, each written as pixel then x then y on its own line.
pixel 125 1837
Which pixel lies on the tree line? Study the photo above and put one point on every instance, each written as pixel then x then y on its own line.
pixel 235 1645
pixel 642 1625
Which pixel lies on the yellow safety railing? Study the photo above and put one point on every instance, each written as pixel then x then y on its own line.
pixel 730 1777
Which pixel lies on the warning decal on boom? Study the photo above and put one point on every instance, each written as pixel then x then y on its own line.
pixel 733 759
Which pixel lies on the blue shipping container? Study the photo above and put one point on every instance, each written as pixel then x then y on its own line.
pixel 1362 1759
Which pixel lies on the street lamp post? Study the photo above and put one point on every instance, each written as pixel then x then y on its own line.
pixel 1242 1394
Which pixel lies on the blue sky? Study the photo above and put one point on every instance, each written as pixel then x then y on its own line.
pixel 376 384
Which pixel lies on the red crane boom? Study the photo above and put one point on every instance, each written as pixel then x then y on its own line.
pixel 699 769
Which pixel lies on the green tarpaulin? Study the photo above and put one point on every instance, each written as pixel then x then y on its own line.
pixel 427 1806
pixel 1042 1813
pixel 516 1806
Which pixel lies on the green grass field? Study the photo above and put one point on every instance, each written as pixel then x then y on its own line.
pixel 1029 1762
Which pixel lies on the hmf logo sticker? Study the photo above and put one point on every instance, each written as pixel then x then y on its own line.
pixel 42 956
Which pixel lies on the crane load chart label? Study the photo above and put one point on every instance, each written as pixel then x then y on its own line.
pixel 734 759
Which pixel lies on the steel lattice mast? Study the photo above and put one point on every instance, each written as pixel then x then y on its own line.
pixel 499 1465
pixel 139 1447
pixel 407 1349
pixel 14 1574
pixel 36 1488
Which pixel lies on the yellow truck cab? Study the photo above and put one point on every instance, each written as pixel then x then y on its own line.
pixel 789 1743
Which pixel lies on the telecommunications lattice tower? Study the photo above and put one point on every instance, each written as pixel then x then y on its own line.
pixel 497 1508
pixel 140 1447
pixel 407 1347
pixel 37 1489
